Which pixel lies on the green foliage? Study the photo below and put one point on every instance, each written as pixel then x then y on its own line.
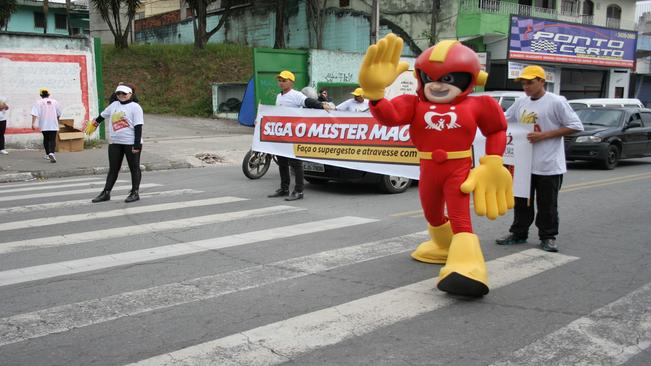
pixel 176 79
pixel 6 8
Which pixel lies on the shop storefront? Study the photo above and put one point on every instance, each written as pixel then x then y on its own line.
pixel 583 61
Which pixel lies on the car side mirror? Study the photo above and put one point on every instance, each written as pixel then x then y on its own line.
pixel 634 124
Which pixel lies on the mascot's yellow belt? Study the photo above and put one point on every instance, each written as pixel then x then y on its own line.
pixel 440 156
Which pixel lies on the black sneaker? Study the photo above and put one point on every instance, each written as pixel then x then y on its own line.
pixel 548 245
pixel 132 197
pixel 279 193
pixel 295 196
pixel 511 239
pixel 104 196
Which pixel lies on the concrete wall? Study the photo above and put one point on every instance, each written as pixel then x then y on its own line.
pixel 22 20
pixel 65 65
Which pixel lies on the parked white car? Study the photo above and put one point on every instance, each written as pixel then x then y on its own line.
pixel 505 98
pixel 605 102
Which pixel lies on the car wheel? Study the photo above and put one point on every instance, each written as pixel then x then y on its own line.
pixel 313 180
pixel 612 158
pixel 394 184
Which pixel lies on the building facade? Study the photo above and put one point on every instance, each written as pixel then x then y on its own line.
pixel 29 17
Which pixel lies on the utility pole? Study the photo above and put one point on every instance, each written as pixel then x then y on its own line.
pixel 436 5
pixel 375 21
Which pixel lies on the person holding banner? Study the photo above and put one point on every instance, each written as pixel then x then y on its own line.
pixel 288 97
pixel 443 122
pixel 355 104
pixel 552 118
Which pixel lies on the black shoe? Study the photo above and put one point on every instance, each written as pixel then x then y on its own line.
pixel 104 196
pixel 279 193
pixel 132 197
pixel 510 240
pixel 548 245
pixel 295 196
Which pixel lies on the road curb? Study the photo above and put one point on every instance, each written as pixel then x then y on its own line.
pixel 102 170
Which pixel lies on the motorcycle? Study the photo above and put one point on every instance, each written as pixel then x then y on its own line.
pixel 256 164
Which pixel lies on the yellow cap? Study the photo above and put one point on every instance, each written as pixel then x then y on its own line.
pixel 43 90
pixel 531 72
pixel 286 75
pixel 358 92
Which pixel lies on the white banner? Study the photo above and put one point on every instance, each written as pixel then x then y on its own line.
pixel 357 141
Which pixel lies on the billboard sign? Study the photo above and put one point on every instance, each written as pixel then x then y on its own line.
pixel 534 39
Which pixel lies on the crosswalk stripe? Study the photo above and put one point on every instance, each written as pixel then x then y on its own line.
pixel 283 341
pixel 119 232
pixel 63 318
pixel 34 273
pixel 58 186
pixel 87 202
pixel 71 192
pixel 48 182
pixel 610 335
pixel 65 219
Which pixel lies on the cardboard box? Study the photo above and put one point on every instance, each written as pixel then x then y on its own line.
pixel 69 138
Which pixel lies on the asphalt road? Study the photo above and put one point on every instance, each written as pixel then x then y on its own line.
pixel 206 270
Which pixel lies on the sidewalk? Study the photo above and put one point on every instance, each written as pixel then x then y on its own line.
pixel 170 142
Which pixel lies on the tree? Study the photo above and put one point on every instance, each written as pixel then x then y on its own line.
pixel 280 24
pixel 7 7
pixel 110 10
pixel 316 18
pixel 200 14
pixel 436 8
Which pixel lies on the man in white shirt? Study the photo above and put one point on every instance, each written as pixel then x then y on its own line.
pixel 47 112
pixel 288 97
pixel 355 104
pixel 553 118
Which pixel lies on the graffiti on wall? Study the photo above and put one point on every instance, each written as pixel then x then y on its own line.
pixel 65 76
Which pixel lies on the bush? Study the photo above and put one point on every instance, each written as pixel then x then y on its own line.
pixel 175 79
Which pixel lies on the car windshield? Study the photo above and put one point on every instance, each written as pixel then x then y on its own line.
pixel 600 117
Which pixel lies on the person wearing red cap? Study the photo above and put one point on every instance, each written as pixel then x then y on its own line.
pixel 443 122
pixel 553 118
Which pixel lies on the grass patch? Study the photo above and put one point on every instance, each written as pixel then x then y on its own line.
pixel 176 79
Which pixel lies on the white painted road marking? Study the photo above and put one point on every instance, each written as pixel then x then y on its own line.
pixel 283 341
pixel 65 219
pixel 98 184
pixel 45 271
pixel 120 232
pixel 87 201
pixel 69 193
pixel 63 318
pixel 610 335
pixel 33 183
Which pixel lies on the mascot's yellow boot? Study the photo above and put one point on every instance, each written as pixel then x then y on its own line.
pixel 436 249
pixel 465 271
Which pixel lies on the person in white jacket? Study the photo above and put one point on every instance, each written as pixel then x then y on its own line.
pixel 355 104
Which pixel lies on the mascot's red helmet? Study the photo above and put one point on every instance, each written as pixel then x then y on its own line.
pixel 446 57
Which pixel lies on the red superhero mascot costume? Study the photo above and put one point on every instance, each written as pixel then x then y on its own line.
pixel 443 121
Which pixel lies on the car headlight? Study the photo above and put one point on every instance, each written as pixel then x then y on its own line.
pixel 588 139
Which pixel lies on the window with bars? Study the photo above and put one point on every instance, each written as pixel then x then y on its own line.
pixel 60 21
pixel 39 20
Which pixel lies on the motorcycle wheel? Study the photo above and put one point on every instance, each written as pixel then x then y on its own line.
pixel 255 164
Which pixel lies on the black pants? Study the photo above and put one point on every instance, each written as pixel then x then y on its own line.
pixel 3 128
pixel 544 188
pixel 115 153
pixel 283 167
pixel 49 141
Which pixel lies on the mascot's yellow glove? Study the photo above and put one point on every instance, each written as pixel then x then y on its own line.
pixel 381 66
pixel 90 127
pixel 492 185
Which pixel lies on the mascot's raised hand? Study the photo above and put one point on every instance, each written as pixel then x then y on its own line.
pixel 492 185
pixel 381 66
